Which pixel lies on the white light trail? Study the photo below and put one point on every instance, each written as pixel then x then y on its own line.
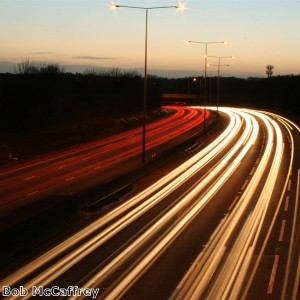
pixel 220 269
pixel 64 264
pixel 230 277
pixel 288 125
pixel 178 226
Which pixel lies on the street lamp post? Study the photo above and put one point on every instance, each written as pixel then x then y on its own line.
pixel 218 83
pixel 205 74
pixel 210 85
pixel 146 9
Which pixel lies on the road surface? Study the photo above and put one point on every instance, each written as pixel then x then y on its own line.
pixel 78 168
pixel 222 225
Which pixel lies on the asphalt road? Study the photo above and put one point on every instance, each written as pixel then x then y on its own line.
pixel 75 169
pixel 224 224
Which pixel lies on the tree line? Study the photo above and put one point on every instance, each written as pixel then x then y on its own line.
pixel 37 96
pixel 280 93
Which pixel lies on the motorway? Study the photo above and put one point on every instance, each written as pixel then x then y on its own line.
pixel 222 225
pixel 75 169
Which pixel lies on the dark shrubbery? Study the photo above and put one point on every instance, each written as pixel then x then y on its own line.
pixel 28 67
pixel 41 95
pixel 43 108
pixel 45 96
pixel 280 93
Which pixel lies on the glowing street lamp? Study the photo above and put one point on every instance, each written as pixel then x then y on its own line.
pixel 218 84
pixel 146 9
pixel 205 73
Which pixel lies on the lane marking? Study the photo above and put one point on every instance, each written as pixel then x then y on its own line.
pixel 297 278
pixel 252 171
pixel 273 274
pixel 287 200
pixel 61 167
pixel 292 242
pixel 69 179
pixel 257 161
pixel 30 177
pixel 96 168
pixel 282 231
pixel 86 158
pixel 234 202
pixel 245 184
pixel 32 193
pixel 289 185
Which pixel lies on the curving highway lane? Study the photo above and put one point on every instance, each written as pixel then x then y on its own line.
pixel 223 225
pixel 73 170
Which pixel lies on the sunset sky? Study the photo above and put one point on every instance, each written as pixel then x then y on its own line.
pixel 81 34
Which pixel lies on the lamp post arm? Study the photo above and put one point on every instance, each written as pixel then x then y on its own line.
pixel 145 8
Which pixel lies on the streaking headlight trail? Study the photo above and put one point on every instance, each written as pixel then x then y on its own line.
pixel 239 189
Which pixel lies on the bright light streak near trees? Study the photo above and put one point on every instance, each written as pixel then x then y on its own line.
pixel 289 125
pixel 65 263
pixel 230 278
pixel 220 269
pixel 217 176
pixel 105 154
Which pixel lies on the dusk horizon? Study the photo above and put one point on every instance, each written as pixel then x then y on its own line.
pixel 10 67
pixel 89 34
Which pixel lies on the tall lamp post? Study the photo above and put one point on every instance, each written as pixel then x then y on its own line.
pixel 210 76
pixel 146 9
pixel 218 84
pixel 205 73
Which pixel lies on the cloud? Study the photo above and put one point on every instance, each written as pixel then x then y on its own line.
pixel 41 53
pixel 93 57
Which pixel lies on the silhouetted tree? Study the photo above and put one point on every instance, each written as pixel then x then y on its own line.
pixel 269 70
pixel 51 69
pixel 26 67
